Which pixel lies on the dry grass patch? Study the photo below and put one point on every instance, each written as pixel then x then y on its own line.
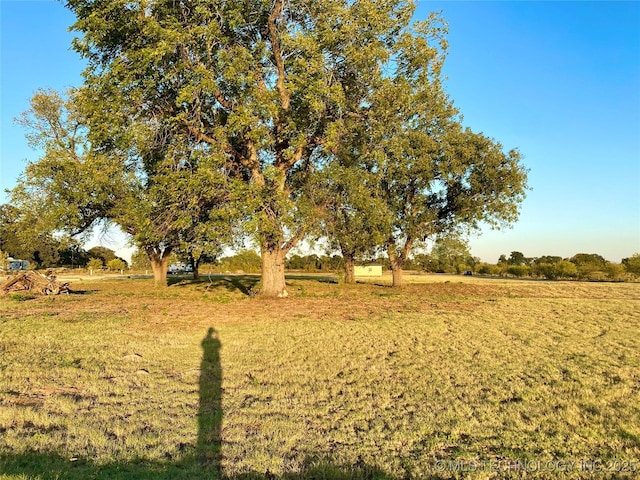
pixel 337 381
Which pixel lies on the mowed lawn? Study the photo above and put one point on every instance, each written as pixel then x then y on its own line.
pixel 450 377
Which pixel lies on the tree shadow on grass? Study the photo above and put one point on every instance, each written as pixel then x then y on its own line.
pixel 320 278
pixel 73 291
pixel 245 284
pixel 200 461
pixel 231 283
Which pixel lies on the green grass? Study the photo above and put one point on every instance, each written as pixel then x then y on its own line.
pixel 335 382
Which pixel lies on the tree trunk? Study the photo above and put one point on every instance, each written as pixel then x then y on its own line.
pixel 159 268
pixel 398 258
pixel 196 271
pixel 273 283
pixel 159 259
pixel 195 264
pixel 349 268
pixel 397 264
pixel 396 273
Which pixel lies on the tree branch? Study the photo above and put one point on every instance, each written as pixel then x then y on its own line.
pixel 222 100
pixel 251 162
pixel 284 166
pixel 293 241
pixel 285 96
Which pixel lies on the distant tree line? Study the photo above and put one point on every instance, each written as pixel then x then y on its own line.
pixel 448 254
pixel 582 266
pixel 452 255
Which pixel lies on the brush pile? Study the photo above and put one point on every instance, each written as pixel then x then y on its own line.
pixel 33 282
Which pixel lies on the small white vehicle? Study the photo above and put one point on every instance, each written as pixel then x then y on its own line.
pixel 175 268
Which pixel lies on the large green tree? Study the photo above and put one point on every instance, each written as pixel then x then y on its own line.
pixel 136 177
pixel 517 258
pixel 353 215
pixel 435 177
pixel 72 254
pixel 20 240
pixel 11 240
pixel 103 253
pixel 589 265
pixel 450 254
pixel 261 82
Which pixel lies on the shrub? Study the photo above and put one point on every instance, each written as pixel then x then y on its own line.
pixel 595 276
pixel 546 270
pixel 566 269
pixel 488 269
pixel 519 270
pixel 632 264
pixel 116 264
pixel 95 264
pixel 557 270
pixel 615 272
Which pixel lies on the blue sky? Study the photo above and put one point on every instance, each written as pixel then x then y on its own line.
pixel 558 80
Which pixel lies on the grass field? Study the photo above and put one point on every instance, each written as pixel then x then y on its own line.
pixel 450 377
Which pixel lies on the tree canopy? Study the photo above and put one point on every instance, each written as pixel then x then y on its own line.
pixel 632 264
pixel 200 117
pixel 433 176
pixel 266 84
pixel 158 194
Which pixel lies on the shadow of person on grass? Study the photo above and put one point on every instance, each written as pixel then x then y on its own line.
pixel 210 405
pixel 202 461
